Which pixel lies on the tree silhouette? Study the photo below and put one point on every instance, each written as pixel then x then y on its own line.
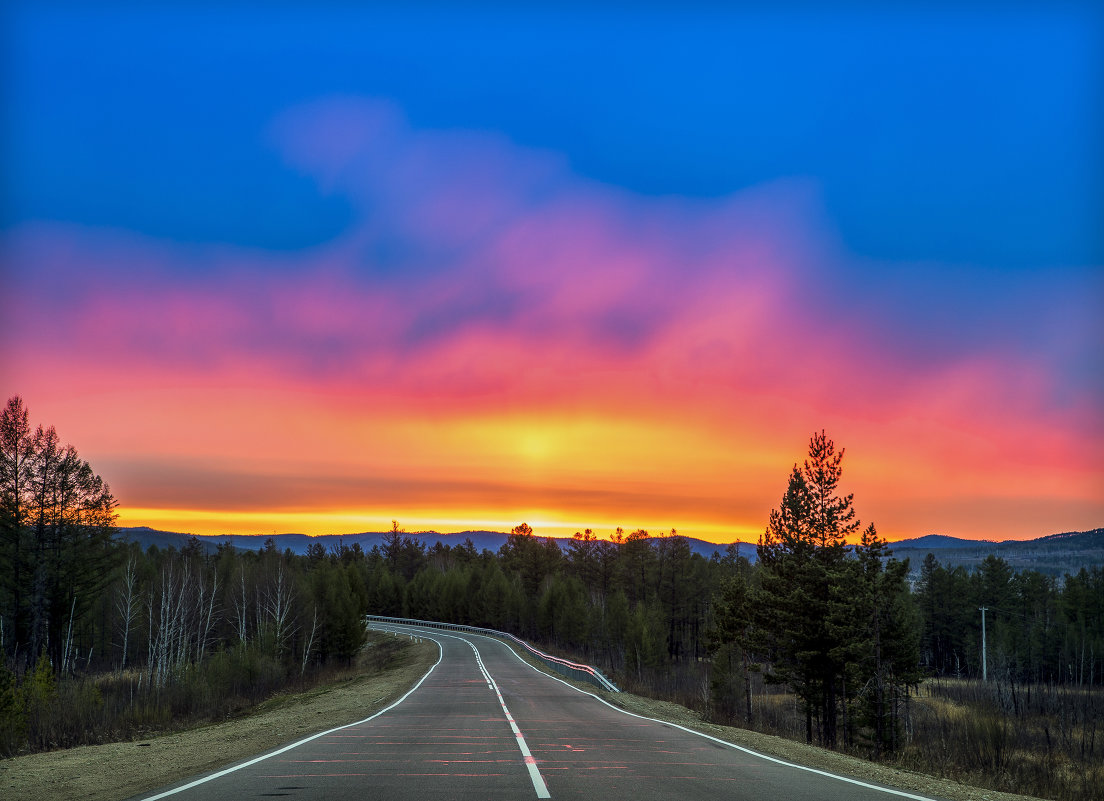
pixel 802 605
pixel 57 518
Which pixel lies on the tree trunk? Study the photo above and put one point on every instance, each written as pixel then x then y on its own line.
pixel 747 689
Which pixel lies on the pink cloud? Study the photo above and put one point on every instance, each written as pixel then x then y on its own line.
pixel 481 276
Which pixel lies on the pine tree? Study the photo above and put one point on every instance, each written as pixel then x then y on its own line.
pixel 582 556
pixel 803 607
pixel 637 563
pixel 13 718
pixel 890 642
pixel 731 642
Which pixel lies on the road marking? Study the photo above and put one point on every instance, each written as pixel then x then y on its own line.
pixel 530 761
pixel 826 774
pixel 255 760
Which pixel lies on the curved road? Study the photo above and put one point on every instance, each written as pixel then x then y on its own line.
pixel 484 724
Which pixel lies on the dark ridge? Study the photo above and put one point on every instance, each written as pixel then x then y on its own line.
pixel 1055 554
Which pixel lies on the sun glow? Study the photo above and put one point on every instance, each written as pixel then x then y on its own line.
pixel 544 522
pixel 516 342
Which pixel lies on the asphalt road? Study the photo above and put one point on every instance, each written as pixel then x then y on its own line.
pixel 483 724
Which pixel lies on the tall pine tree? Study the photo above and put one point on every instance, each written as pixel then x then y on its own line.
pixel 807 622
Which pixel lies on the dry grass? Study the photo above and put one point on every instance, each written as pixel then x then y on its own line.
pixel 793 749
pixel 961 736
pixel 1035 739
pixel 121 770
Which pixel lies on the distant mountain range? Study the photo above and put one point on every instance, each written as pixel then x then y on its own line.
pixel 1056 554
pixel 298 543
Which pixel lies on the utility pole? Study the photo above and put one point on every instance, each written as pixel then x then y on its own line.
pixel 984 671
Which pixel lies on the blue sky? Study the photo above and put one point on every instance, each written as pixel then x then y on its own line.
pixel 964 135
pixel 611 265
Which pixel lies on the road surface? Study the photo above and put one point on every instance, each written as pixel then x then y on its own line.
pixel 483 724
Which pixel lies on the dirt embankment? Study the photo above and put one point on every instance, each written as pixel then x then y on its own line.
pixel 121 770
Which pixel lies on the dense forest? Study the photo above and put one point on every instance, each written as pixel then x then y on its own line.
pixel 152 633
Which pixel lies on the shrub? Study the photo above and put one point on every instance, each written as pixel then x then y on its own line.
pixel 13 719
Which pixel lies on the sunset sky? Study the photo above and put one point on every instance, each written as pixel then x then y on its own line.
pixel 312 268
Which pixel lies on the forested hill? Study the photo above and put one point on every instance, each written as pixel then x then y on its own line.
pixel 298 543
pixel 1056 554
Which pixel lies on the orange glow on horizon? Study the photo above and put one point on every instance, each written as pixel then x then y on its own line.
pixel 268 457
pixel 241 523
pixel 544 522
pixel 348 413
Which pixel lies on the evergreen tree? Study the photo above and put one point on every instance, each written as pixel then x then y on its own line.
pixel 582 556
pixel 617 627
pixel 13 720
pixel 57 518
pixel 16 565
pixel 889 646
pixel 947 613
pixel 496 597
pixel 644 641
pixel 732 642
pixel 676 594
pixel 803 606
pixel 341 630
pixel 1081 606
pixel 637 558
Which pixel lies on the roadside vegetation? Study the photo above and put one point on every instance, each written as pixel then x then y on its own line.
pixel 1035 739
pixel 817 640
pixel 127 768
pixel 92 708
pixel 104 641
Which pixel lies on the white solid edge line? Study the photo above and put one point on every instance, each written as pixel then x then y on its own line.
pixel 255 760
pixel 539 786
pixel 825 773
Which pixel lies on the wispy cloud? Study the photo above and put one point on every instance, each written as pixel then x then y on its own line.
pixel 479 278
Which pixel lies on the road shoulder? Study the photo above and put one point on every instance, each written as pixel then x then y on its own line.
pixel 788 750
pixel 807 755
pixel 122 770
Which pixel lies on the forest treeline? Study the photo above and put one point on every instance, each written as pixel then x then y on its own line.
pixel 129 639
pixel 101 639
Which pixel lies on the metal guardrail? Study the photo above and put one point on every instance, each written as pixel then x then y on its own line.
pixel 565 667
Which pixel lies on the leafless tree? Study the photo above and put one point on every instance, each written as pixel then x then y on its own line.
pixel 126 604
pixel 310 643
